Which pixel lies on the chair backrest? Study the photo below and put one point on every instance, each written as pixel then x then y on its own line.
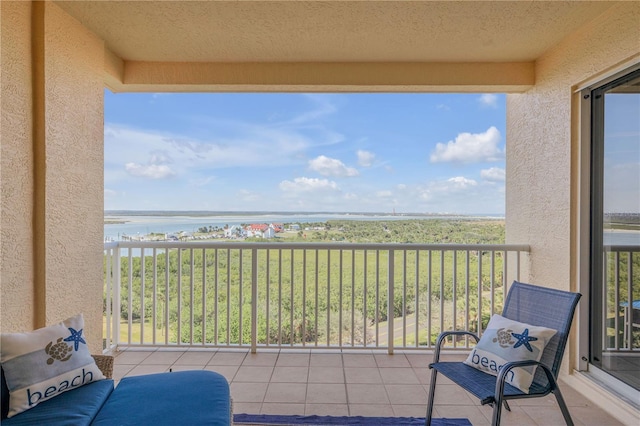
pixel 545 307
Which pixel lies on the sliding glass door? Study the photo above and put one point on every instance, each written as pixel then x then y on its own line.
pixel 615 228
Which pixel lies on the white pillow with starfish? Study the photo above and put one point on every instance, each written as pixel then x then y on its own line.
pixel 44 363
pixel 506 340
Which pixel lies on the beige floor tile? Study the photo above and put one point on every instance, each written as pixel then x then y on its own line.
pixel 326 410
pixel 326 375
pixel 253 374
pixel 261 359
pixel 373 410
pixel 419 360
pixel 326 393
pixel 367 394
pixel 450 395
pixel 325 360
pixel 163 357
pixel 119 371
pixel 473 414
pixel 545 401
pixel 406 394
pixel 396 360
pixel 175 367
pixel 547 416
pixel 359 360
pixel 248 392
pixel 572 397
pixel 516 417
pixel 403 410
pixel 282 409
pixel 362 375
pixel 228 371
pixel 246 407
pixel 423 375
pixel 131 357
pixel 227 358
pixel 593 416
pixel 293 360
pixel 195 358
pixel 290 374
pixel 399 376
pixel 143 369
pixel 293 393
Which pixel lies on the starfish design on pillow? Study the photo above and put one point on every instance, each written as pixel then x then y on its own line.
pixel 76 338
pixel 524 339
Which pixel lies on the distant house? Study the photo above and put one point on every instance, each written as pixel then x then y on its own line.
pixel 294 227
pixel 277 227
pixel 260 230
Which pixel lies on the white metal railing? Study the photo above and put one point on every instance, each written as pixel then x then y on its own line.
pixel 302 295
pixel 621 298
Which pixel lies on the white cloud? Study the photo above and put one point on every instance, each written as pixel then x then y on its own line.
pixel 151 171
pixel 331 167
pixel 470 148
pixel 365 158
pixel 460 182
pixel 384 194
pixel 494 174
pixel 489 99
pixel 443 107
pixel 401 186
pixel 110 193
pixel 252 146
pixel 304 184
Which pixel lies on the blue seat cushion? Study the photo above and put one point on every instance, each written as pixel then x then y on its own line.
pixel 197 397
pixel 74 407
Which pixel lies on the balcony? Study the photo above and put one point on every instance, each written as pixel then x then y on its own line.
pixel 342 340
pixel 365 382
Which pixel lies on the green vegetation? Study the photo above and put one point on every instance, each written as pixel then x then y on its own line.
pixel 318 289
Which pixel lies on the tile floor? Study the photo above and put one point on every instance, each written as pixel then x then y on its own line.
pixel 366 383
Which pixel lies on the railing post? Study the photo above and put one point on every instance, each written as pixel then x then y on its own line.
pixel 390 296
pixel 254 300
pixel 116 310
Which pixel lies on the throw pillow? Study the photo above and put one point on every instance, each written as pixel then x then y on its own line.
pixel 506 340
pixel 42 364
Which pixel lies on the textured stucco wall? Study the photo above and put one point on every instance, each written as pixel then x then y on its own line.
pixel 74 157
pixel 541 186
pixel 52 169
pixel 16 182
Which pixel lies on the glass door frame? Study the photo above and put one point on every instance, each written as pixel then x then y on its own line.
pixel 590 222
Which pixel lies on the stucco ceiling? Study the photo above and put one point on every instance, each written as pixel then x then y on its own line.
pixel 332 31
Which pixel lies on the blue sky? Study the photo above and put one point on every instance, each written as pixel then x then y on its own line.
pixel 412 153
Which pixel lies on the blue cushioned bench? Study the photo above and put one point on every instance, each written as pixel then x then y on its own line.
pixel 197 397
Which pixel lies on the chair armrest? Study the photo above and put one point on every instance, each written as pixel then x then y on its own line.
pixel 513 364
pixel 444 335
pixel 105 364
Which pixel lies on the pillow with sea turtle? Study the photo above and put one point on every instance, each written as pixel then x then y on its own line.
pixel 44 363
pixel 506 340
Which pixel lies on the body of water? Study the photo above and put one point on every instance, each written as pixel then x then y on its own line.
pixel 139 225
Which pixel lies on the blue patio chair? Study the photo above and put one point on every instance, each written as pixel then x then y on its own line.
pixel 534 305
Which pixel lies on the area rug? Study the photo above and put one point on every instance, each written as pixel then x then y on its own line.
pixel 267 419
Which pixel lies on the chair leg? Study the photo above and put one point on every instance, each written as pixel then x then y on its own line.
pixel 506 405
pixel 563 406
pixel 432 391
pixel 497 413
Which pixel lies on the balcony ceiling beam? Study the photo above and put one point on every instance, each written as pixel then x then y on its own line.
pixel 461 77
